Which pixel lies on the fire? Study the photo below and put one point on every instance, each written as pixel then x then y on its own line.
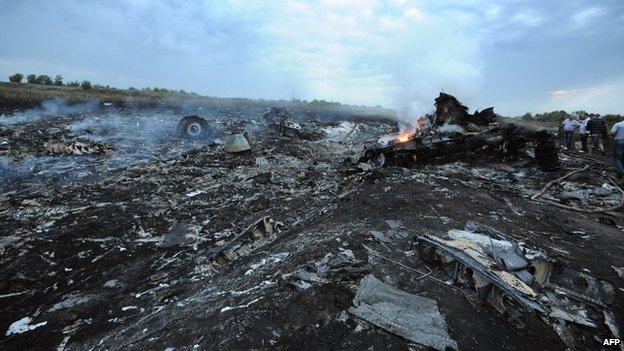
pixel 409 130
pixel 404 136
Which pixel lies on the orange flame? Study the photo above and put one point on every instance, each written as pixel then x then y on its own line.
pixel 404 136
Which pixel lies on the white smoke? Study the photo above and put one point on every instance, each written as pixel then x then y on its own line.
pixel 450 128
pixel 133 135
pixel 438 54
pixel 50 108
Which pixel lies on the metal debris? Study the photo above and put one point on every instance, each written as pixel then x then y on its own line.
pixel 127 248
pixel 515 279
pixel 236 143
pixel 413 317
pixel 251 237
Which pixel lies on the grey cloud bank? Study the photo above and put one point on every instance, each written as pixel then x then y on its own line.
pixel 520 56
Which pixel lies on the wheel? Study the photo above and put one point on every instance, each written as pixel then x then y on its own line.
pixel 193 127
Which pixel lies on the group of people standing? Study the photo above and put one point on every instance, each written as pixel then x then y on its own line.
pixel 593 128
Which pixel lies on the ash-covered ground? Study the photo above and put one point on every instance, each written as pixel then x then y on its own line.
pixel 112 224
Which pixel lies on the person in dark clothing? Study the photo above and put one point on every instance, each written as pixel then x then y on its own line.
pixel 597 128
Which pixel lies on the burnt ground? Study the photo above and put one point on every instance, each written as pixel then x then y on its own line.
pixel 87 256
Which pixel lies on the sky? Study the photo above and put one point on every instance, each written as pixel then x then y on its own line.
pixel 517 55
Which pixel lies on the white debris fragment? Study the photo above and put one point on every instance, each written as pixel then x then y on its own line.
pixel 445 220
pixel 264 285
pixel 72 300
pixel 359 328
pixel 271 259
pixel 261 161
pixel 23 325
pixel 84 254
pixel 394 224
pixel 13 294
pixel 579 316
pixel 113 283
pixel 343 316
pixel 128 308
pixel 143 233
pixel 228 308
pixel 149 240
pixel 478 238
pixel 340 132
pixel 194 193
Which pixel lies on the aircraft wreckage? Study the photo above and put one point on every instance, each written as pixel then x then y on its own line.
pixel 259 236
pixel 483 134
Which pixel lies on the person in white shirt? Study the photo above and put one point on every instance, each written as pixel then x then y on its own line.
pixel 584 133
pixel 569 125
pixel 618 148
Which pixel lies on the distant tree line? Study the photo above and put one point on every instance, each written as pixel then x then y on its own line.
pixel 555 116
pixel 44 79
pixel 317 104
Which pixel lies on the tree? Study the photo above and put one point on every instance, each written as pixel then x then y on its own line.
pixel 85 85
pixel 58 80
pixel 612 118
pixel 31 79
pixel 43 79
pixel 16 78
pixel 73 83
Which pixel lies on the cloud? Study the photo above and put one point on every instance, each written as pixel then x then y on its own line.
pixel 527 18
pixel 607 93
pixel 562 92
pixel 414 13
pixel 353 51
pixel 398 53
pixel 584 17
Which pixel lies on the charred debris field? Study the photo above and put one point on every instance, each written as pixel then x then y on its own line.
pixel 133 228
